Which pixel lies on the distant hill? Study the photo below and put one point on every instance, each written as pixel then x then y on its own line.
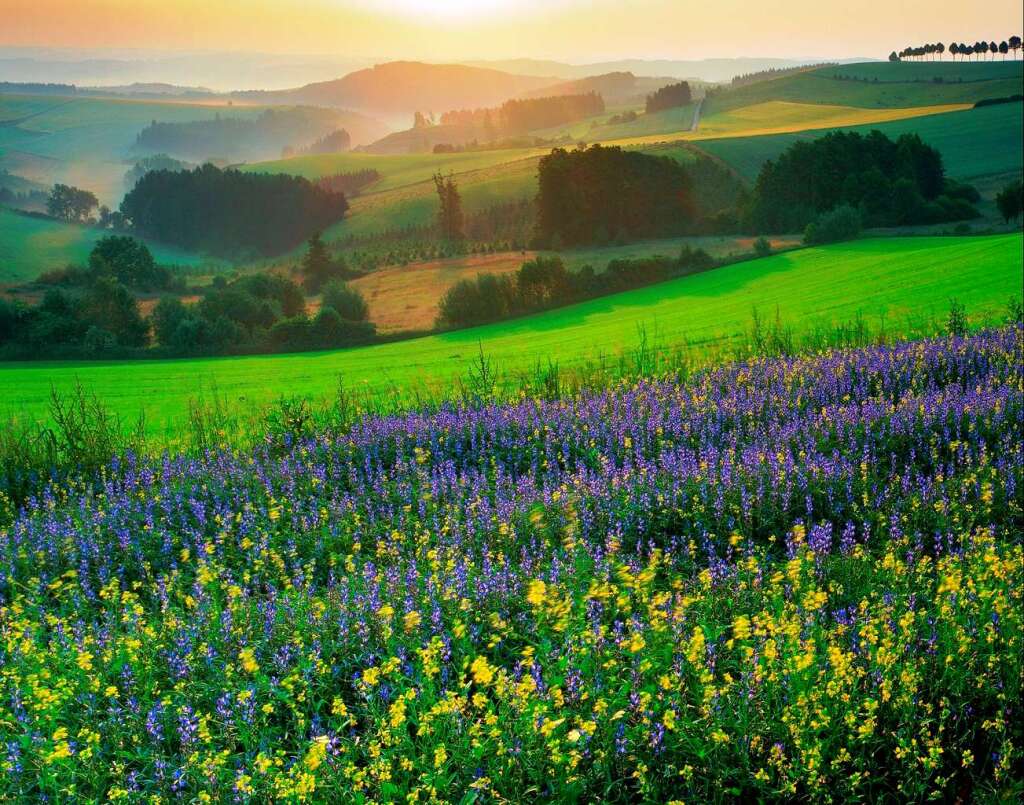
pixel 704 69
pixel 400 88
pixel 222 71
pixel 150 89
pixel 615 88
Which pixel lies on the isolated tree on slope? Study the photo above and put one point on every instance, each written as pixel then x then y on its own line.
pixel 1011 201
pixel 449 215
pixel 317 265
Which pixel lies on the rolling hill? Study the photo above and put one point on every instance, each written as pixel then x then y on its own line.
pixel 894 278
pixel 874 85
pixel 89 142
pixel 397 89
pixel 615 88
pixel 704 69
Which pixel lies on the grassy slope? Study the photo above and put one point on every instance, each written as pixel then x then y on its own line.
pixel 775 117
pixel 597 128
pixel 397 170
pixel 895 277
pixel 928 71
pixel 962 83
pixel 30 246
pixel 976 142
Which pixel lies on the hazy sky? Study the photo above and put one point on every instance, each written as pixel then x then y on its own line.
pixel 570 30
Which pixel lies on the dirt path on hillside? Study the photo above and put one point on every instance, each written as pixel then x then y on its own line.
pixel 696 115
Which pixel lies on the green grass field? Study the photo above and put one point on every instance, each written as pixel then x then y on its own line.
pixel 892 277
pixel 29 246
pixel 928 71
pixel 899 85
pixel 973 143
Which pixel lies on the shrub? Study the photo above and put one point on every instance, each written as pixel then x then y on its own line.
pixel 346 301
pixel 762 247
pixel 842 223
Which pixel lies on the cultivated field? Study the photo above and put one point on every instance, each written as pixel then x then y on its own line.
pixel 772 117
pixel 406 297
pixel 891 281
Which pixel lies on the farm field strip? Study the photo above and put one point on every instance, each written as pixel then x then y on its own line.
pixel 975 142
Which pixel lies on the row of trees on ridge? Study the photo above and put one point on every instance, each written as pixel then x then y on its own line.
pixel 980 49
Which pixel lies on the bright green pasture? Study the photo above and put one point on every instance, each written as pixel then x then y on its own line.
pixel 975 142
pixel 891 277
pixel 29 246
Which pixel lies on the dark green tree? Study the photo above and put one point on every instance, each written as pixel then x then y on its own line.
pixel 1010 201
pixel 450 219
pixel 129 261
pixel 108 305
pixel 71 203
pixel 317 265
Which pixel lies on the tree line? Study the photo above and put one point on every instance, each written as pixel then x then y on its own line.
pixel 980 49
pixel 336 142
pixel 239 137
pixel 350 183
pixel 100 316
pixel 774 72
pixel 519 116
pixel 545 283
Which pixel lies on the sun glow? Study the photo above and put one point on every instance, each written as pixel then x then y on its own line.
pixel 449 9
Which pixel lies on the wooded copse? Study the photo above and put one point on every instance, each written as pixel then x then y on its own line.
pixel 669 97
pixel 889 182
pixel 600 194
pixel 229 213
pixel 236 137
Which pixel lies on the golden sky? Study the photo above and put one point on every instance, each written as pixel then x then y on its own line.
pixel 570 30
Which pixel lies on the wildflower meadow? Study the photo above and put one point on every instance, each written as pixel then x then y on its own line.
pixel 787 578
